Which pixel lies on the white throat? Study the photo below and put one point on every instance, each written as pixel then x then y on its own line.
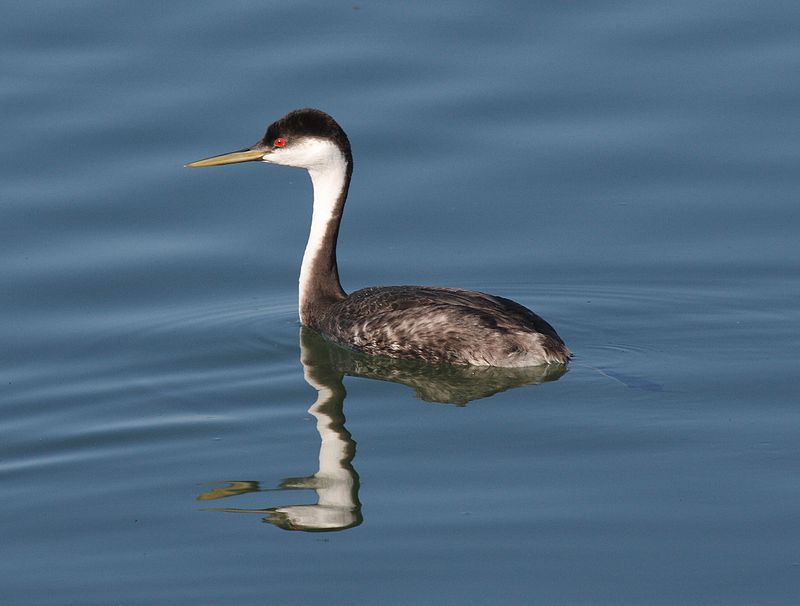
pixel 328 174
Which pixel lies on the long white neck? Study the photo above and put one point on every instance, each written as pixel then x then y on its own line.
pixel 319 274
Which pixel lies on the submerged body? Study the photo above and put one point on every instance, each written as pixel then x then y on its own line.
pixel 438 325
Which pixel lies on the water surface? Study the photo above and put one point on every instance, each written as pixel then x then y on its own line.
pixel 626 169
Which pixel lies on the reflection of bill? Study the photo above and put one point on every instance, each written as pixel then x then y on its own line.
pixel 336 483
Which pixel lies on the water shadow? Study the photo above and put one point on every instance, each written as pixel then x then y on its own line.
pixel 336 482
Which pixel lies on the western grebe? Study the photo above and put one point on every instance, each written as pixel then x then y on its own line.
pixel 438 325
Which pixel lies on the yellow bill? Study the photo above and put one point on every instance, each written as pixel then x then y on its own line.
pixel 243 155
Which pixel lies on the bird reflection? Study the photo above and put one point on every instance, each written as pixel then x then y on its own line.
pixel 336 483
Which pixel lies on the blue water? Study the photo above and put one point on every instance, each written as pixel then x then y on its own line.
pixel 627 169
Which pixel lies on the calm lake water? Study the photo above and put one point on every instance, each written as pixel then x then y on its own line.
pixel 627 169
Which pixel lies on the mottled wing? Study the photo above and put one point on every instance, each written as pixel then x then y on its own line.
pixel 442 325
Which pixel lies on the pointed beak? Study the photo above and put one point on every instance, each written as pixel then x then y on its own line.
pixel 243 155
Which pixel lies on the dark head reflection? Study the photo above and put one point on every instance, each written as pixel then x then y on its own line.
pixel 336 483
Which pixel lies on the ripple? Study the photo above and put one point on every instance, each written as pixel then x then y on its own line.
pixel 248 316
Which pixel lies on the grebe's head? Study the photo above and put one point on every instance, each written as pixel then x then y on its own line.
pixel 304 138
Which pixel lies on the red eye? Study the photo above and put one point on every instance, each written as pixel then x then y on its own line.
pixel 279 142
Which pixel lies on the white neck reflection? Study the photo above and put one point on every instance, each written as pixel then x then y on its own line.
pixel 336 482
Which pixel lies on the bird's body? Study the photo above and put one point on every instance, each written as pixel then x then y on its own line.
pixel 439 325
